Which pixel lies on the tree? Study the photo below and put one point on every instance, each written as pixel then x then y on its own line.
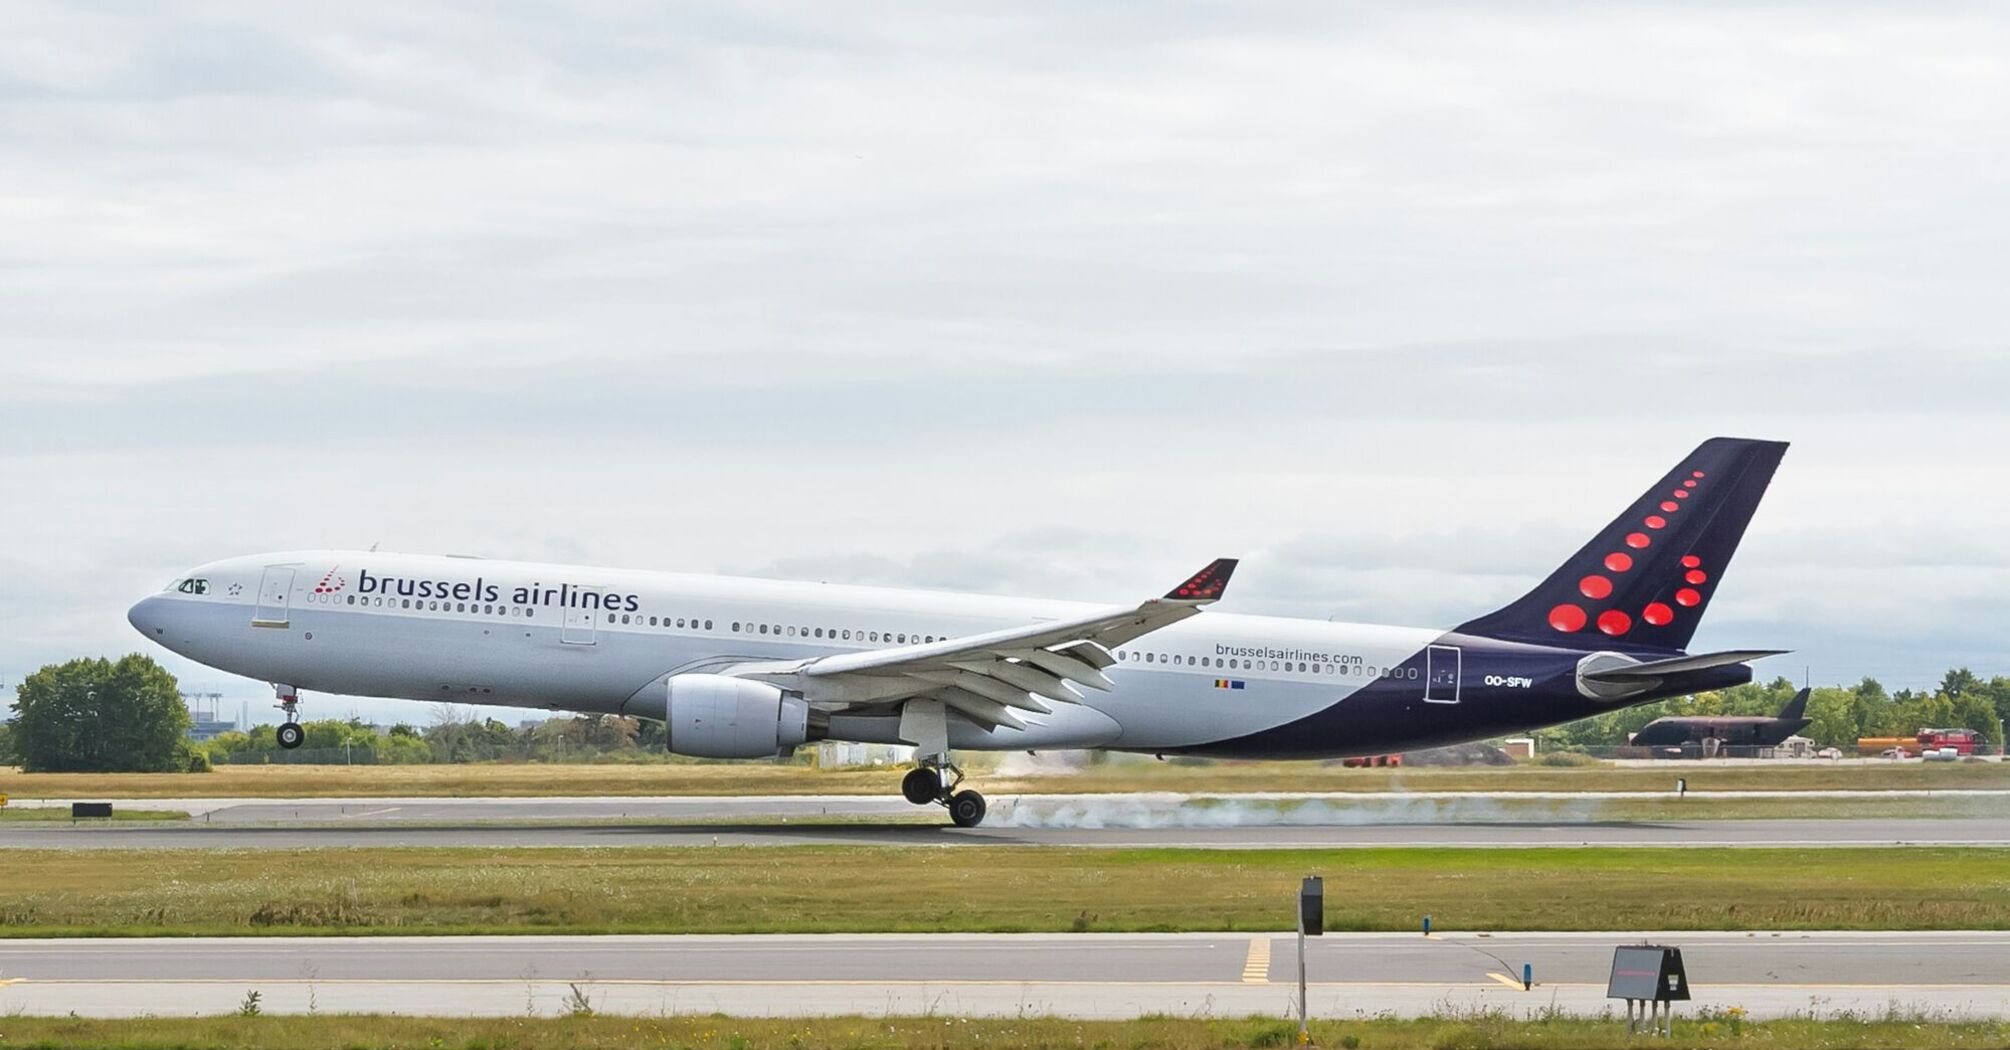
pixel 1958 682
pixel 96 716
pixel 1833 719
pixel 7 744
pixel 1973 712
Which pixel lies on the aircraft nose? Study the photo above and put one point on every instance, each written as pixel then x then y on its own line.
pixel 145 616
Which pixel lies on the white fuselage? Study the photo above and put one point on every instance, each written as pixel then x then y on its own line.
pixel 592 640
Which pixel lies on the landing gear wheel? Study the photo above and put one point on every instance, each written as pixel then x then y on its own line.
pixel 966 808
pixel 922 785
pixel 291 735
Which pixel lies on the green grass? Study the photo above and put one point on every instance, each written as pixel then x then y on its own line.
pixel 55 815
pixel 790 890
pixel 349 1032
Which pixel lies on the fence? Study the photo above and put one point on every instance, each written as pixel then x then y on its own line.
pixel 1694 751
pixel 305 756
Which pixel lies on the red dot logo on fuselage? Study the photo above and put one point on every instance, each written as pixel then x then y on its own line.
pixel 331 583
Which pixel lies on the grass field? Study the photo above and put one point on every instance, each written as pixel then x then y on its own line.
pixel 764 890
pixel 757 778
pixel 940 1033
pixel 48 815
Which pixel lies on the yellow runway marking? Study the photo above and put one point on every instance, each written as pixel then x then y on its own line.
pixel 5 981
pixel 1256 968
pixel 1506 980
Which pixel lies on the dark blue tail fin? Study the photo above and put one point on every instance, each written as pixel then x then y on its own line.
pixel 1644 582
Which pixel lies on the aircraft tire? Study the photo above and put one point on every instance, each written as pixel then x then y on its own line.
pixel 921 785
pixel 966 808
pixel 291 735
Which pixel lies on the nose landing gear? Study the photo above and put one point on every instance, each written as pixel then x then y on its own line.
pixel 926 783
pixel 290 733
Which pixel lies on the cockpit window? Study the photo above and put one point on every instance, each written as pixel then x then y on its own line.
pixel 193 586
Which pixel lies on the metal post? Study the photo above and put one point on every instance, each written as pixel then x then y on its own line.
pixel 1304 1035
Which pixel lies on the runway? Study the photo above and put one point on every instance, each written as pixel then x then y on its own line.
pixel 1224 974
pixel 1226 821
pixel 1143 809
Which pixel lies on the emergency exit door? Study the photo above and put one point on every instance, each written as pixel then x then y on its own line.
pixel 275 597
pixel 1442 664
pixel 577 628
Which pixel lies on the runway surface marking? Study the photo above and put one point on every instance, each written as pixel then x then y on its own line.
pixel 1256 968
pixel 1506 980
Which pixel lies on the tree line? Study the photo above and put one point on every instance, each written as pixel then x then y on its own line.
pixel 1841 714
pixel 453 737
pixel 98 715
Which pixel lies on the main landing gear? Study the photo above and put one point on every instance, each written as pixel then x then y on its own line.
pixel 290 733
pixel 927 783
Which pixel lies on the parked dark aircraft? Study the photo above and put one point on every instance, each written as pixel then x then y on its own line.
pixel 1733 730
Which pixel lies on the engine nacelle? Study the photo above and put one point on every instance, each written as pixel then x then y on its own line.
pixel 714 716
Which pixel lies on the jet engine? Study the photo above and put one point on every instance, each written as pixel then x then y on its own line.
pixel 714 716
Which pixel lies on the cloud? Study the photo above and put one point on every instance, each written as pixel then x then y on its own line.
pixel 1397 302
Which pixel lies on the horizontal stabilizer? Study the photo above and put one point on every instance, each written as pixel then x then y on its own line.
pixel 1655 669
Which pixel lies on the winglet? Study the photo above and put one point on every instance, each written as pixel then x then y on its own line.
pixel 1205 585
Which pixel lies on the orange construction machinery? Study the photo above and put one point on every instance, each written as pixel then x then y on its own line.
pixel 1960 741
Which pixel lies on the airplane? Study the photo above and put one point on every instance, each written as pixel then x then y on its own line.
pixel 753 668
pixel 1733 730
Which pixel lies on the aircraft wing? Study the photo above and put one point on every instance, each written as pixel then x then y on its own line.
pixel 995 677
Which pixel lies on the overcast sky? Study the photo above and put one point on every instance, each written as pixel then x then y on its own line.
pixel 1398 302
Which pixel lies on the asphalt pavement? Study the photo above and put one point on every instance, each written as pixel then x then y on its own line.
pixel 1086 975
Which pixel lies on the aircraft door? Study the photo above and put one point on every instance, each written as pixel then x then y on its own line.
pixel 275 597
pixel 1442 664
pixel 578 627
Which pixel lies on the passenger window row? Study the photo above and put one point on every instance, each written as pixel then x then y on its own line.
pixel 835 634
pixel 367 601
pixel 1290 666
pixel 681 623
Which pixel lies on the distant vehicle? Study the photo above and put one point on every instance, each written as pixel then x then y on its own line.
pixel 1728 730
pixel 1962 742
pixel 1959 741
pixel 740 668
